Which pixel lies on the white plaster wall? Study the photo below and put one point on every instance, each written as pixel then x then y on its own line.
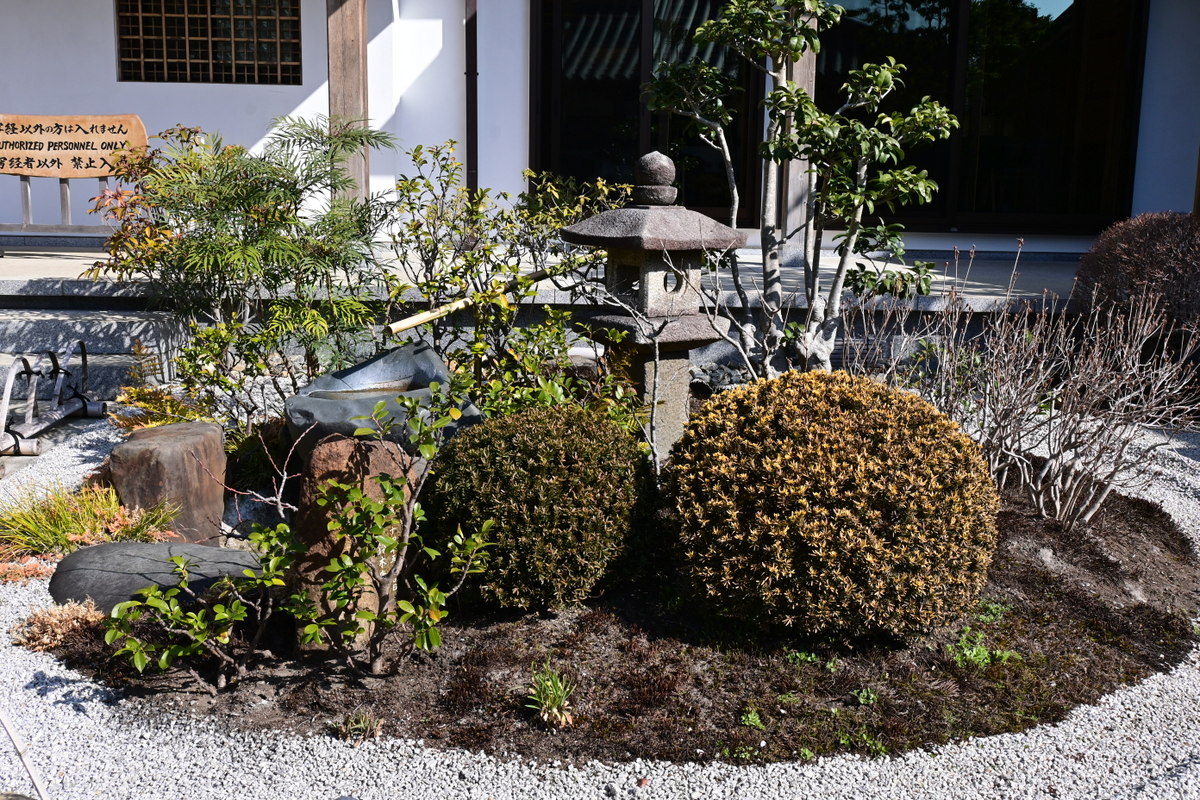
pixel 416 58
pixel 59 57
pixel 1169 131
pixel 504 60
pixel 382 96
pixel 425 101
pixel 428 103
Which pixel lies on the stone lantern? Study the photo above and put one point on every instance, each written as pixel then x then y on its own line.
pixel 655 257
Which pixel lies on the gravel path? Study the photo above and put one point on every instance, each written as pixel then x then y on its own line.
pixel 87 742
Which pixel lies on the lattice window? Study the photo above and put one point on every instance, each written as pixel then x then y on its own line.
pixel 209 41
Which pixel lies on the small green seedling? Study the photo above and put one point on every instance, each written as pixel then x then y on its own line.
pixel 989 611
pixel 751 719
pixel 971 651
pixel 550 694
pixel 358 726
pixel 798 657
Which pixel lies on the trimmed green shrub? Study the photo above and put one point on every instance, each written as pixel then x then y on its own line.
pixel 1156 253
pixel 561 483
pixel 832 504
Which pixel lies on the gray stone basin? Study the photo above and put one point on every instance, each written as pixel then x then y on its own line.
pixel 330 403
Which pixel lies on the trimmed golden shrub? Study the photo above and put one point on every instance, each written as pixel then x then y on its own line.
pixel 833 504
pixel 561 483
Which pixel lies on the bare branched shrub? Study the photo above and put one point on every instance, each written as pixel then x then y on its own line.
pixel 1060 404
pixel 1130 371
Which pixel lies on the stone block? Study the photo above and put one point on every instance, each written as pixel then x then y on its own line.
pixel 183 464
pixel 349 461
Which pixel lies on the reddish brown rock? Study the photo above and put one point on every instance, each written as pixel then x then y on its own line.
pixel 348 461
pixel 183 464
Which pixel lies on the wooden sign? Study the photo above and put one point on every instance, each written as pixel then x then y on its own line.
pixel 66 147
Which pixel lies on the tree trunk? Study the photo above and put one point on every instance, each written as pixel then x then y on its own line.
pixel 771 316
pixel 730 177
pixel 820 342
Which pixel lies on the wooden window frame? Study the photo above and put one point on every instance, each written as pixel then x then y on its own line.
pixel 209 41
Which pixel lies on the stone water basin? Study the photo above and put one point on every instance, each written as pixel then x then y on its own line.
pixel 331 403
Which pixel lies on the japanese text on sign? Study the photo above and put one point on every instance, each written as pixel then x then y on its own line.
pixel 66 147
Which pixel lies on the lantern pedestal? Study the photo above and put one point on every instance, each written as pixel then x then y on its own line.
pixel 676 338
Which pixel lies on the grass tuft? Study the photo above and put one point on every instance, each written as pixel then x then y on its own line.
pixel 63 521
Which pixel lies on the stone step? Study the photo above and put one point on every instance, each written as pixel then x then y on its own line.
pixel 107 373
pixel 32 331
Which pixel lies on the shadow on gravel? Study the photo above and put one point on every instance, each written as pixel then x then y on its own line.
pixel 77 693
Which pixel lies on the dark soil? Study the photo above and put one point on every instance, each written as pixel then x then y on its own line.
pixel 1064 619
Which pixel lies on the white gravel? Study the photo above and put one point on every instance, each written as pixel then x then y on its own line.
pixel 87 742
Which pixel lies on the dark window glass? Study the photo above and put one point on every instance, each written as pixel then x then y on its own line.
pixel 594 56
pixel 1046 92
pixel 191 40
pixel 700 168
pixel 592 118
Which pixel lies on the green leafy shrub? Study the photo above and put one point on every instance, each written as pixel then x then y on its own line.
pixel 1156 253
pixel 276 277
pixel 151 406
pixel 62 521
pixel 832 504
pixel 561 484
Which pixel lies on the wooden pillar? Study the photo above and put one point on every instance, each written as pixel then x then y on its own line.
pixel 471 146
pixel 794 177
pixel 347 35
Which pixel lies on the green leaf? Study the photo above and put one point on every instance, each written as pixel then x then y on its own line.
pixel 433 639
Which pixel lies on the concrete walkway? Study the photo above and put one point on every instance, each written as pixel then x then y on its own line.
pixel 30 271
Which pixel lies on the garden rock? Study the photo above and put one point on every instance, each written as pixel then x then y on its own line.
pixel 333 402
pixel 349 461
pixel 114 572
pixel 183 464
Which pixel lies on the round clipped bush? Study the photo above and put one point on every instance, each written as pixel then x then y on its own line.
pixel 1156 253
pixel 562 485
pixel 832 504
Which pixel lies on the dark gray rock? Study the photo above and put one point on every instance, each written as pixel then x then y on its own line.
pixel 330 404
pixel 183 464
pixel 113 573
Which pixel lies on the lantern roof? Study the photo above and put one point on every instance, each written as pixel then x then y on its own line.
pixel 653 223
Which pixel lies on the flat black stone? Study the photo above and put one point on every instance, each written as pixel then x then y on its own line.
pixel 113 573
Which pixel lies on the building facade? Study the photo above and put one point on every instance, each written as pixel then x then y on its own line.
pixel 1075 113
